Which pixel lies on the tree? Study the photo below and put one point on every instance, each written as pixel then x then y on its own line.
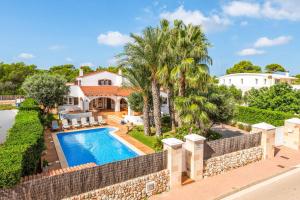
pixel 135 101
pixel 271 68
pixel 138 77
pixel 13 75
pixel 112 69
pixel 280 97
pixel 244 67
pixel 298 79
pixel 146 51
pixel 48 90
pixel 225 100
pixel 69 72
pixel 194 110
pixel 189 47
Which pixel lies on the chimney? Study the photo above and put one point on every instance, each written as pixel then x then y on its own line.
pixel 80 71
pixel 120 72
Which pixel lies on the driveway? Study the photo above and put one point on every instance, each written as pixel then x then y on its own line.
pixel 7 119
pixel 228 131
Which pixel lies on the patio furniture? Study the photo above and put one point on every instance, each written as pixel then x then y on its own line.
pixel 75 123
pixel 84 123
pixel 101 120
pixel 65 124
pixel 54 125
pixel 93 122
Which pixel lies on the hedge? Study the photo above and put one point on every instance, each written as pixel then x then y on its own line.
pixel 252 115
pixel 29 104
pixel 21 152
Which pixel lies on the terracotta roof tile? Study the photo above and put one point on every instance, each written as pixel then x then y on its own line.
pixel 107 90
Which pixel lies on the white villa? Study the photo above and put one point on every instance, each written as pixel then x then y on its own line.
pixel 101 91
pixel 247 81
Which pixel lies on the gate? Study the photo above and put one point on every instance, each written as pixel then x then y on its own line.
pixel 279 136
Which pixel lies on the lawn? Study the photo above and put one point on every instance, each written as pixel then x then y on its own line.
pixel 138 134
pixel 7 107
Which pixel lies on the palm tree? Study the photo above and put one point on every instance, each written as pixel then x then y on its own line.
pixel 189 47
pixel 146 51
pixel 195 109
pixel 137 75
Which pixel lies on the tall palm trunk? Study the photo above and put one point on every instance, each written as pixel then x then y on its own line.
pixel 171 107
pixel 156 106
pixel 146 118
pixel 181 93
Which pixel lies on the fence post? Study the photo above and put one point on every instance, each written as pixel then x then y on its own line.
pixel 267 138
pixel 174 149
pixel 195 146
pixel 292 133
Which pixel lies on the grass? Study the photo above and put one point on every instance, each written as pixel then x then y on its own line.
pixel 7 107
pixel 139 135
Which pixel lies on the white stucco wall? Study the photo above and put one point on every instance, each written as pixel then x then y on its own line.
pixel 92 80
pixel 247 81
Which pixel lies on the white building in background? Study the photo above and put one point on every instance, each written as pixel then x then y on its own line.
pixel 101 91
pixel 247 81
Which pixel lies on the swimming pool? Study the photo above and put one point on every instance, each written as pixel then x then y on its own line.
pixel 93 145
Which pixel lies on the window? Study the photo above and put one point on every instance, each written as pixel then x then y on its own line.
pixel 104 82
pixel 70 102
pixel 242 81
pixel 256 81
pixel 75 101
pixel 229 81
pixel 265 81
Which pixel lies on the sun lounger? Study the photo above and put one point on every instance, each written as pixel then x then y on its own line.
pixel 54 125
pixel 84 122
pixel 92 121
pixel 75 123
pixel 101 120
pixel 65 124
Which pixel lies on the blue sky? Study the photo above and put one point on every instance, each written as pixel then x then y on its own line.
pixel 92 32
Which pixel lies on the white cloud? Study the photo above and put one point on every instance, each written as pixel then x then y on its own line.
pixel 244 23
pixel 25 56
pixel 68 59
pixel 241 8
pixel 113 38
pixel 90 64
pixel 196 17
pixel 267 42
pixel 271 9
pixel 56 47
pixel 250 52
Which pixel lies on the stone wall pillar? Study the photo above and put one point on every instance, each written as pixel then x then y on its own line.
pixel 174 149
pixel 194 148
pixel 267 138
pixel 292 133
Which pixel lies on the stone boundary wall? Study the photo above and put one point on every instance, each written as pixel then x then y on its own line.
pixel 63 184
pixel 134 189
pixel 224 163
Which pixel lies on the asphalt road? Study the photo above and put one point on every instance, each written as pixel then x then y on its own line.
pixel 7 119
pixel 286 188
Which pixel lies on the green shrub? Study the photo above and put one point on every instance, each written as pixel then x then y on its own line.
pixel 29 104
pixel 251 115
pixel 20 154
pixel 241 126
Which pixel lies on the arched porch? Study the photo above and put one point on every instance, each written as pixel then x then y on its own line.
pixel 109 104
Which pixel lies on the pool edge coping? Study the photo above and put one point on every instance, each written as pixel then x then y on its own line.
pixel 60 153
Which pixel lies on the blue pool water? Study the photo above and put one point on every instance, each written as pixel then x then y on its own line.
pixel 94 145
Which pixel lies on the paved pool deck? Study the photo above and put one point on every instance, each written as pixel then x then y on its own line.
pixel 55 156
pixel 222 185
pixel 7 119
